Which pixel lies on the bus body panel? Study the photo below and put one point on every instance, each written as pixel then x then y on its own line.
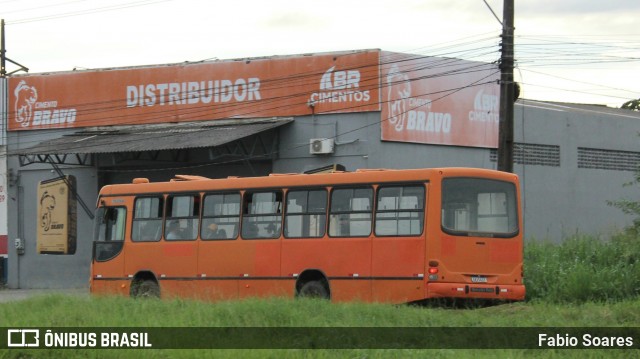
pixel 375 268
pixel 398 269
pixel 345 262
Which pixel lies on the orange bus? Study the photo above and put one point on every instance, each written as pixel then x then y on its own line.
pixel 371 235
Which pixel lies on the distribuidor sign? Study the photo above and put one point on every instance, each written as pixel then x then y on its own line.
pixel 277 86
pixel 440 101
pixel 421 99
pixel 57 217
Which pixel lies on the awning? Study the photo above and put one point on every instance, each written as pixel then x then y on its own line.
pixel 153 137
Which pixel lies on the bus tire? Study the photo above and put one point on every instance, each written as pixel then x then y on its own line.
pixel 146 289
pixel 314 289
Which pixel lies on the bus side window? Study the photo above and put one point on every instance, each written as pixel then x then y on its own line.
pixel 182 217
pixel 400 211
pixel 147 219
pixel 350 214
pixel 220 216
pixel 262 215
pixel 306 214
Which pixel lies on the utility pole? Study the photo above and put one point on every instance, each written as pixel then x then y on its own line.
pixel 4 58
pixel 3 67
pixel 507 90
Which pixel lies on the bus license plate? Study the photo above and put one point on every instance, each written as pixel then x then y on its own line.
pixel 479 279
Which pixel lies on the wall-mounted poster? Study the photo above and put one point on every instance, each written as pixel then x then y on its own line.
pixel 57 216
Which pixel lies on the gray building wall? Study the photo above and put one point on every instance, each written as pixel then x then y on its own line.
pixel 571 198
pixel 32 270
pixel 358 145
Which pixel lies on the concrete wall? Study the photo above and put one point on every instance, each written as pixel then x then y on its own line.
pixel 32 270
pixel 561 201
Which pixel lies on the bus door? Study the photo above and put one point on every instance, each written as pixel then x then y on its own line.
pixel 107 269
pixel 398 259
pixel 481 244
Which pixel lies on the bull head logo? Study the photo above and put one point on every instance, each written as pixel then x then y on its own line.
pixel 26 97
pixel 399 93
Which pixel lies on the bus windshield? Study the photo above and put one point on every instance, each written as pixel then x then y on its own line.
pixel 479 207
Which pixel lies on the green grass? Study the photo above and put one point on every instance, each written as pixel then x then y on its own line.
pixel 72 311
pixel 76 311
pixel 581 282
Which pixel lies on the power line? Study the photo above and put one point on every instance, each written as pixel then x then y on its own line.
pixel 87 11
pixel 43 7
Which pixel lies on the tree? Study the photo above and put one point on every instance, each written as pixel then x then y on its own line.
pixel 633 105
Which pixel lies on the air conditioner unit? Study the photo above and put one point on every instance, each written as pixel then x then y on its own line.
pixel 321 146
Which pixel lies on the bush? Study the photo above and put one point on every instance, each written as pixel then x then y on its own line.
pixel 584 268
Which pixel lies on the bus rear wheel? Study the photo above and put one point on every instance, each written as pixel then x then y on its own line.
pixel 314 289
pixel 146 289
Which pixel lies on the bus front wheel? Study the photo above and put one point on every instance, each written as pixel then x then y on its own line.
pixel 314 289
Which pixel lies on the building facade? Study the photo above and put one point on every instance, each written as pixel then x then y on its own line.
pixel 252 117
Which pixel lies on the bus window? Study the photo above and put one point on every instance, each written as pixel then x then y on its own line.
pixel 147 219
pixel 182 217
pixel 220 216
pixel 306 214
pixel 400 211
pixel 108 232
pixel 350 212
pixel 262 215
pixel 479 205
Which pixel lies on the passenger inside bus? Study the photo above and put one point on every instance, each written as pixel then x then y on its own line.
pixel 173 230
pixel 215 232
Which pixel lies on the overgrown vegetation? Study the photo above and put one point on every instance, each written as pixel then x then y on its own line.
pixel 583 269
pixel 630 206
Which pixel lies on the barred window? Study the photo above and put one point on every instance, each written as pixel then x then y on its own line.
pixel 614 160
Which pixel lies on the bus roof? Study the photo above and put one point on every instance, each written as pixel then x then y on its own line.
pixel 186 183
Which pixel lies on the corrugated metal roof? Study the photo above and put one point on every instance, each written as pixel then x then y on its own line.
pixel 153 137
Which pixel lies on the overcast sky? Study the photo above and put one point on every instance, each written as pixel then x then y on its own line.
pixel 570 51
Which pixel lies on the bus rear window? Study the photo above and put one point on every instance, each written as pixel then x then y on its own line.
pixel 475 206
